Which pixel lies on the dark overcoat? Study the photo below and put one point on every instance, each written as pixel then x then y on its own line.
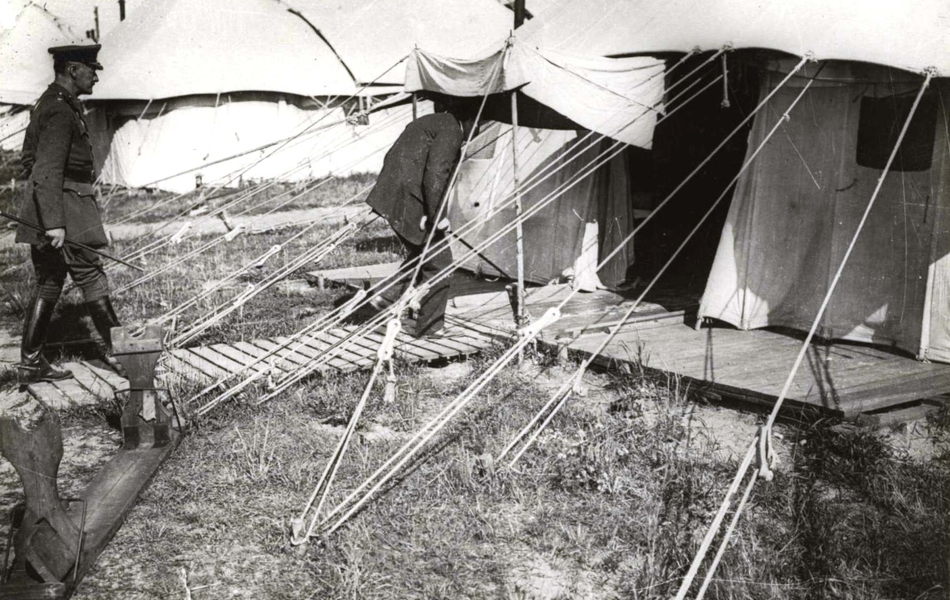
pixel 57 155
pixel 416 172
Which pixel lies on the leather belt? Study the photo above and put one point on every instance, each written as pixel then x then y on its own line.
pixel 79 175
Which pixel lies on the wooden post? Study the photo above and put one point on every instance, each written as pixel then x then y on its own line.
pixel 47 538
pixel 145 421
pixel 415 106
pixel 519 232
pixel 519 7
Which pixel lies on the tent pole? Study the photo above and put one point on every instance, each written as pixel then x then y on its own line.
pixel 519 13
pixel 415 106
pixel 519 316
pixel 519 10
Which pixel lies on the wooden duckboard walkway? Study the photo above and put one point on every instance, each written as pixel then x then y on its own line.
pixel 845 379
pixel 90 385
pixel 218 360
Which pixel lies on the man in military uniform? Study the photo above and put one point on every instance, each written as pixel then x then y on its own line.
pixel 409 193
pixel 57 157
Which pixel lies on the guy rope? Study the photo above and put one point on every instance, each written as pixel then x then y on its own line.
pixel 351 504
pixel 761 445
pixel 338 315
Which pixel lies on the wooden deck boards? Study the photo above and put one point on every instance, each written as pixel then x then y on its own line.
pixel 358 352
pixel 90 385
pixel 846 379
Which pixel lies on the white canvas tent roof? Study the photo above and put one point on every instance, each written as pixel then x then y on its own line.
pixel 26 68
pixel 618 97
pixel 170 48
pixel 373 35
pixel 910 34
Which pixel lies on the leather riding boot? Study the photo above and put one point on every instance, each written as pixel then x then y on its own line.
pixel 33 365
pixel 104 318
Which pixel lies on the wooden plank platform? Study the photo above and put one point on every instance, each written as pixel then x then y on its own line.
pixel 215 361
pixel 838 378
pixel 358 278
pixel 90 385
pixel 355 277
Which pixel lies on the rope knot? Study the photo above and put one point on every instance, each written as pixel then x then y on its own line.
pixel 415 296
pixel 233 233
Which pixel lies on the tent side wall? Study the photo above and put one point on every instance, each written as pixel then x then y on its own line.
pixel 553 237
pixel 935 333
pixel 180 138
pixel 796 208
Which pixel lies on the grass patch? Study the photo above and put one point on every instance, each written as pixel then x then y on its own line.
pixel 612 501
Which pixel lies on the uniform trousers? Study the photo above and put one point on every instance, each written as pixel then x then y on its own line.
pixel 84 267
pixel 431 315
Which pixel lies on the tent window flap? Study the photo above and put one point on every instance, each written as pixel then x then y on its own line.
pixel 880 124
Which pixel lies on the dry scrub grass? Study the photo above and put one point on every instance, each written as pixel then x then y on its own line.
pixel 611 503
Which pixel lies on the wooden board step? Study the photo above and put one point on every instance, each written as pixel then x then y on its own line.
pixel 354 277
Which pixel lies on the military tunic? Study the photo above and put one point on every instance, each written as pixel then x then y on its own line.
pixel 57 155
pixel 416 172
pixel 415 175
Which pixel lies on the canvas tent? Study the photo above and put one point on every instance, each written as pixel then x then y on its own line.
pixel 25 65
pixel 910 35
pixel 373 36
pixel 189 84
pixel 26 68
pixel 618 99
pixel 191 89
pixel 795 211
pixel 796 208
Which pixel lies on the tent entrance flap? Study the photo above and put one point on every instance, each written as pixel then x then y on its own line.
pixel 797 207
pixel 554 236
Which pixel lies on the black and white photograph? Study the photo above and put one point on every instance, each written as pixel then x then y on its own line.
pixel 475 299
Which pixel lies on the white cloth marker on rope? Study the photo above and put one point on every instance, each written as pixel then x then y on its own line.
pixel 385 354
pixel 386 347
pixel 180 234
pixel 766 453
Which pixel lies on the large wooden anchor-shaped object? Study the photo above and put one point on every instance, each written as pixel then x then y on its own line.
pixel 56 542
